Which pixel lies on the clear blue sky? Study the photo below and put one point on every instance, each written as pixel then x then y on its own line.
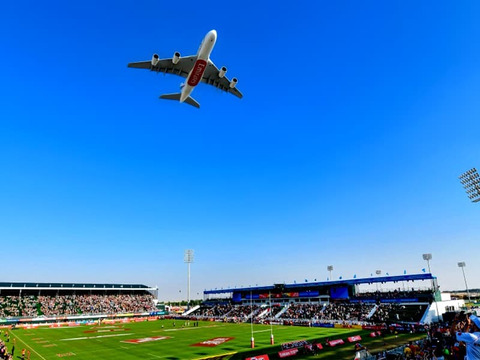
pixel 356 121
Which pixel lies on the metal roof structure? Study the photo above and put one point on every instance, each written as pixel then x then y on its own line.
pixel 348 282
pixel 70 286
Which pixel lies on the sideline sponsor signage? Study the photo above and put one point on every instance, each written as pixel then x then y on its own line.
pixel 354 338
pixel 287 353
pixel 294 344
pixel 258 357
pixel 336 342
pixel 213 342
pixel 323 325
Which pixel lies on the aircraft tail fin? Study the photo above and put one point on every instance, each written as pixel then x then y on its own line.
pixel 176 96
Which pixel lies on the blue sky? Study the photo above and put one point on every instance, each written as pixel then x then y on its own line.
pixel 356 121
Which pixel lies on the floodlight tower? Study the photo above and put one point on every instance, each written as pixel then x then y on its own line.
pixel 427 258
pixel 378 272
pixel 329 269
pixel 188 258
pixel 471 183
pixel 462 265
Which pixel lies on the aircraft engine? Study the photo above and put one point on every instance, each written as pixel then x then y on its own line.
pixel 155 60
pixel 176 58
pixel 222 72
pixel 233 83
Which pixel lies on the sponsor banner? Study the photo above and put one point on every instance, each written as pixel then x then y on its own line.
pixel 373 327
pixel 399 300
pixel 213 342
pixel 258 357
pixel 294 344
pixel 286 353
pixel 363 301
pixel 343 326
pixel 144 340
pixel 324 325
pixel 56 325
pixel 354 338
pixel 336 342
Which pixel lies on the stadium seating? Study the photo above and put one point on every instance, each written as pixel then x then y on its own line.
pixel 32 306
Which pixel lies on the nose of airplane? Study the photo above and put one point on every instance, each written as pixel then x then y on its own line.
pixel 213 35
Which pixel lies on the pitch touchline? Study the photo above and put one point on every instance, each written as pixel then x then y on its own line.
pixel 94 337
pixel 15 335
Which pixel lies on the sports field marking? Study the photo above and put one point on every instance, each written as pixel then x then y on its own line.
pixel 258 331
pixel 158 357
pixel 94 337
pixel 189 328
pixel 28 346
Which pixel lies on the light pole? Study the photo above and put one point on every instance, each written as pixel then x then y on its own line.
pixel 428 257
pixel 471 183
pixel 329 269
pixel 462 265
pixel 188 258
pixel 378 272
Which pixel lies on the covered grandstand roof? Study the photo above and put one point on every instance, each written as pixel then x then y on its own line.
pixel 71 286
pixel 369 280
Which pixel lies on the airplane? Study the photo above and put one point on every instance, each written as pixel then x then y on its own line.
pixel 196 68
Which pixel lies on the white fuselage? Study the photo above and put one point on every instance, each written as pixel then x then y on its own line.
pixel 203 55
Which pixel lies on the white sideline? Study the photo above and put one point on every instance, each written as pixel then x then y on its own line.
pixel 94 337
pixel 15 335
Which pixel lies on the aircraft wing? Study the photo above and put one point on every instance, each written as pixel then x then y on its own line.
pixel 210 76
pixel 182 68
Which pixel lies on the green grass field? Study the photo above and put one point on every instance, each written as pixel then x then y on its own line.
pixel 171 343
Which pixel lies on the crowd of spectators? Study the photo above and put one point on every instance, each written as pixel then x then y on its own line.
pixel 4 354
pixel 30 306
pixel 393 312
pixel 393 294
pixel 339 312
pixel 334 311
pixel 17 306
pixel 216 311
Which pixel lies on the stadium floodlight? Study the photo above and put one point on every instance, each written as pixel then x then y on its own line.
pixel 462 265
pixel 427 257
pixel 329 269
pixel 188 259
pixel 471 183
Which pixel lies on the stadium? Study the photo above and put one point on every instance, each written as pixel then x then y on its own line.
pixel 329 132
pixel 332 320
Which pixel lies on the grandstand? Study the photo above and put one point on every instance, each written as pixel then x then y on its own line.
pixel 49 301
pixel 326 302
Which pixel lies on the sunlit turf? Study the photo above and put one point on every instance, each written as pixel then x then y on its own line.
pixel 176 343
